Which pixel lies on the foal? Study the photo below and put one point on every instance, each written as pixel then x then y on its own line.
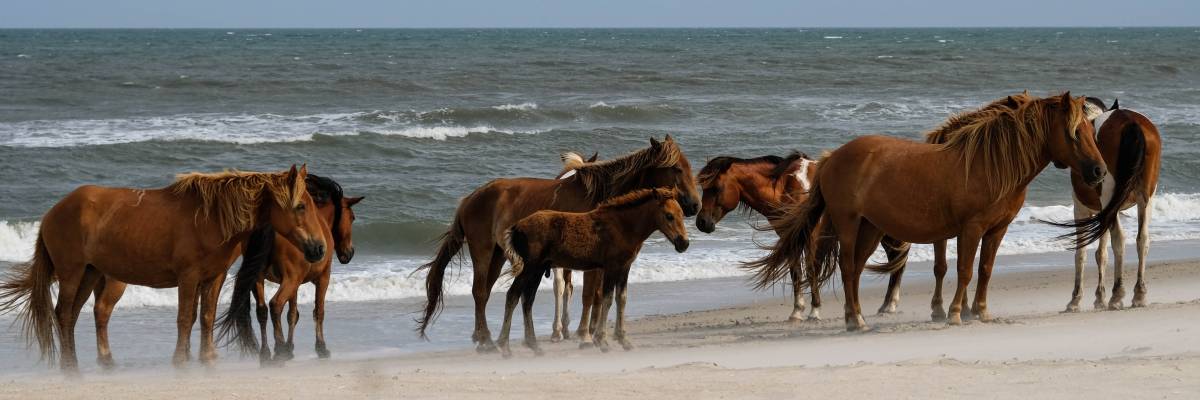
pixel 606 239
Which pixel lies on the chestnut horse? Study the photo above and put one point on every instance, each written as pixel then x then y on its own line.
pixel 1132 149
pixel 973 184
pixel 185 235
pixel 285 265
pixel 484 215
pixel 606 239
pixel 766 185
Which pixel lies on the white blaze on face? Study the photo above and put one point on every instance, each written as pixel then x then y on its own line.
pixel 801 175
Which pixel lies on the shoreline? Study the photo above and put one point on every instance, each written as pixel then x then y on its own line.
pixel 750 350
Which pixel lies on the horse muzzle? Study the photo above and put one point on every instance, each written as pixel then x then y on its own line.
pixel 1093 173
pixel 705 224
pixel 345 256
pixel 313 251
pixel 681 244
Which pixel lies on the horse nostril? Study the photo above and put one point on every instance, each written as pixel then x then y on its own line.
pixel 1098 172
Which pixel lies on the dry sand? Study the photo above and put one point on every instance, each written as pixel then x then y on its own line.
pixel 751 351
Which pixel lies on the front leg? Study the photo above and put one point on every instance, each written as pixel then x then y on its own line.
pixel 601 335
pixel 184 322
pixel 622 295
pixel 319 315
pixel 939 274
pixel 987 258
pixel 561 302
pixel 108 293
pixel 895 250
pixel 288 284
pixel 210 292
pixel 528 293
pixel 968 243
pixel 797 296
pixel 293 319
pixel 1116 302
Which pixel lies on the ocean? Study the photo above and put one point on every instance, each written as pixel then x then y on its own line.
pixel 414 119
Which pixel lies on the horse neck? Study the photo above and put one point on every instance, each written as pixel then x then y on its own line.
pixel 758 190
pixel 637 222
pixel 571 195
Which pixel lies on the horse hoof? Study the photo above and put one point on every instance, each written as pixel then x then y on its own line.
pixel 505 353
pixel 1115 306
pixel 954 320
pixel 556 337
pixel 586 345
pixel 106 363
pixel 1073 307
pixel 604 348
pixel 180 360
pixel 323 353
pixel 626 345
pixel 1138 303
pixel 487 347
pixel 983 316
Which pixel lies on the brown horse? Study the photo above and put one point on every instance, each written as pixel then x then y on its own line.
pixel 185 235
pixel 606 239
pixel 767 185
pixel 285 265
pixel 484 215
pixel 973 184
pixel 1132 149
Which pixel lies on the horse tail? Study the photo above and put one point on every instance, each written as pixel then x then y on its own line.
pixel 27 287
pixel 516 249
pixel 235 325
pixel 897 258
pixel 1131 163
pixel 451 242
pixel 798 229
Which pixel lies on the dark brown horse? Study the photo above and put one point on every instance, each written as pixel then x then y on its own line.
pixel 767 185
pixel 606 239
pixel 284 264
pixel 1132 149
pixel 484 215
pixel 185 235
pixel 973 185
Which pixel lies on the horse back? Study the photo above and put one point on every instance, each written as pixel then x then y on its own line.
pixel 1108 140
pixel 488 211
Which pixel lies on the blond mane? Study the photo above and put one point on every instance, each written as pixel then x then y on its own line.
pixel 1006 142
pixel 232 198
pixel 956 122
pixel 605 179
pixel 636 198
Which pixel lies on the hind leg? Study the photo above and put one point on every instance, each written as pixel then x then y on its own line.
pixel 622 294
pixel 1081 212
pixel 588 317
pixel 797 295
pixel 1143 250
pixel 867 240
pixel 891 300
pixel 488 261
pixel 510 303
pixel 73 291
pixel 319 315
pixel 939 274
pixel 263 314
pixel 108 293
pixel 601 335
pixel 1101 264
pixel 528 293
pixel 1118 249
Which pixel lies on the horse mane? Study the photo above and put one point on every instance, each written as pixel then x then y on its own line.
pixel 232 197
pixel 1007 141
pixel 322 190
pixel 603 180
pixel 958 121
pixel 636 198
pixel 719 165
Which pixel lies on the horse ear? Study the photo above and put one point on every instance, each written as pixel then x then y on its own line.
pixel 669 138
pixel 1065 100
pixel 654 143
pixel 351 201
pixel 1115 106
pixel 594 157
pixel 1093 107
pixel 1011 102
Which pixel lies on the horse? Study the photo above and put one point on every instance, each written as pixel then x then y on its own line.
pixel 485 214
pixel 185 235
pixel 766 185
pixel 285 265
pixel 973 184
pixel 1132 150
pixel 606 239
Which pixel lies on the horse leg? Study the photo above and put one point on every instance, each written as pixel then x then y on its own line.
pixel 987 259
pixel 260 308
pixel 293 319
pixel 1081 212
pixel 184 321
pixel 939 273
pixel 622 294
pixel 586 316
pixel 1101 264
pixel 1118 248
pixel 288 284
pixel 319 315
pixel 1143 248
pixel 891 300
pixel 71 297
pixel 108 293
pixel 847 237
pixel 560 303
pixel 528 293
pixel 485 258
pixel 797 295
pixel 597 298
pixel 209 293
pixel 865 243
pixel 814 283
pixel 968 242
pixel 601 335
pixel 510 304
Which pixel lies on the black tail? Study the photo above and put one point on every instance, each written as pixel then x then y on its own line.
pixel 897 253
pixel 797 231
pixel 451 242
pixel 235 325
pixel 1131 161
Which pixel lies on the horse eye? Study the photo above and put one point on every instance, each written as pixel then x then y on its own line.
pixel 300 207
pixel 670 217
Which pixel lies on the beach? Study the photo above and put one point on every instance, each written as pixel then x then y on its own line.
pixel 750 350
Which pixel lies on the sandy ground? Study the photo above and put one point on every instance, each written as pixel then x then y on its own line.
pixel 751 351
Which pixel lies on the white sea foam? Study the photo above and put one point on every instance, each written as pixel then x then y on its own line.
pixel 527 106
pixel 382 277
